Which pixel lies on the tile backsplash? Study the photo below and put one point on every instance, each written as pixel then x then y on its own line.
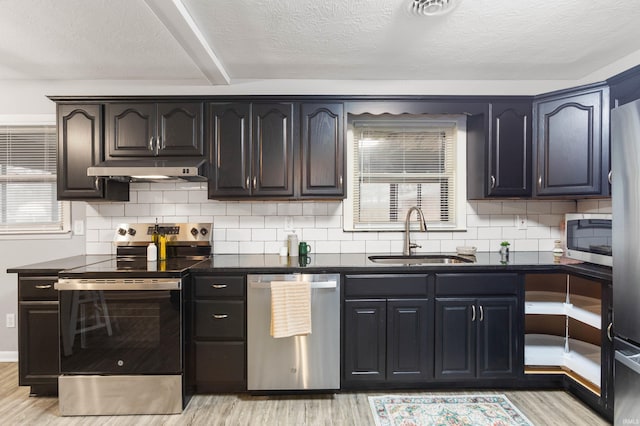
pixel 262 226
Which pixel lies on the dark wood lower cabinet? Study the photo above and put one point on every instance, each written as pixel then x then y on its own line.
pixel 409 352
pixel 220 366
pixel 387 340
pixel 219 334
pixel 38 338
pixel 476 338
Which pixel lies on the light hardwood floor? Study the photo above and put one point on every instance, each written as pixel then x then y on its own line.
pixel 17 408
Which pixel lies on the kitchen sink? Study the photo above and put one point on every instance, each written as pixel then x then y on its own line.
pixel 422 259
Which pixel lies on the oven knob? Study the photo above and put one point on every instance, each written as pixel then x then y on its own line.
pixel 120 363
pixel 131 232
pixel 122 231
pixel 194 232
pixel 204 231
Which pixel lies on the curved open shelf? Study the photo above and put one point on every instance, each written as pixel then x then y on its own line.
pixel 547 350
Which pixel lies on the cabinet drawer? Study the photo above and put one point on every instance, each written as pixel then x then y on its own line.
pixel 476 284
pixel 219 286
pixel 385 285
pixel 220 319
pixel 38 288
pixel 220 363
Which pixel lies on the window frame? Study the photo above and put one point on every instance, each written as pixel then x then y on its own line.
pixel 460 186
pixel 65 206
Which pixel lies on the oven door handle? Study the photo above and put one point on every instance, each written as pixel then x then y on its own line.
pixel 118 285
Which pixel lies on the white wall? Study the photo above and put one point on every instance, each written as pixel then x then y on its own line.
pixel 18 252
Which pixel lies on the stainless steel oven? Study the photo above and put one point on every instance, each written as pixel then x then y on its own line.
pixel 121 341
pixel 123 338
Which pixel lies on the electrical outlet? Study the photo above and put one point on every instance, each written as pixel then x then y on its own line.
pixel 521 222
pixel 11 320
pixel 78 227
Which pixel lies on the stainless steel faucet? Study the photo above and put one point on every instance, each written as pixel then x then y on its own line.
pixel 408 246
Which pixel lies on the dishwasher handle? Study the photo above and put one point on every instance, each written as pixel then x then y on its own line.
pixel 314 284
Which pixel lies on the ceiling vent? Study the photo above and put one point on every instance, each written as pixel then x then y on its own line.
pixel 433 7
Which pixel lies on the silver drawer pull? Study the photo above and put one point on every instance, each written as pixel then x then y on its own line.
pixel 219 285
pixel 220 316
pixel 44 286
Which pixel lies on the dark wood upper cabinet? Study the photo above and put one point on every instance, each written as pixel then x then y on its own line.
pixel 252 149
pixel 80 145
pixel 322 138
pixel 154 129
pixel 229 134
pixel 499 151
pixel 272 149
pixel 571 135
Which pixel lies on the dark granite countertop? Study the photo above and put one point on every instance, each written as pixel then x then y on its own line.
pixel 57 265
pixel 348 262
pixel 360 263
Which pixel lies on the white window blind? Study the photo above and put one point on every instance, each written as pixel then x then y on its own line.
pixel 399 163
pixel 28 200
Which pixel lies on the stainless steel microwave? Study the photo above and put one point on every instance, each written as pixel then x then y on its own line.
pixel 588 237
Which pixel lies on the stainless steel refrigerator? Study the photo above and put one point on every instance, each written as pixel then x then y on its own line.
pixel 625 164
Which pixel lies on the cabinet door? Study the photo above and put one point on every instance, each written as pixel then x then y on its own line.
pixel 272 149
pixel 498 344
pixel 455 340
pixel 230 134
pixel 322 149
pixel 80 146
pixel 364 340
pixel 572 138
pixel 38 361
pixel 220 366
pixel 409 352
pixel 510 150
pixel 131 129
pixel 179 129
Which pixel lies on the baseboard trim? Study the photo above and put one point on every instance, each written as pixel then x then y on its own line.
pixel 8 356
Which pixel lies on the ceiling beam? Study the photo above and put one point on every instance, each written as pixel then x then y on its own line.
pixel 176 18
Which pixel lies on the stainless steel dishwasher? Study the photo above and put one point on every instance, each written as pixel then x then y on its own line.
pixel 310 362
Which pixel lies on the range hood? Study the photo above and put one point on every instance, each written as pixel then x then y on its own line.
pixel 151 170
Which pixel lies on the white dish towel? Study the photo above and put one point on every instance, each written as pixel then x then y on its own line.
pixel 290 308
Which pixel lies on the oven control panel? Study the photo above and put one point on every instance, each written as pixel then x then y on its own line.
pixel 137 233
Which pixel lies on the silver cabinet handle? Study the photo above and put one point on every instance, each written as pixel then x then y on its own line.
pixel 151 143
pixel 481 314
pixel 473 313
pixel 609 336
pixel 219 285
pixel 247 182
pixel 44 286
pixel 340 180
pixel 96 183
pixel 539 181
pixel 609 177
pixel 493 181
pixel 220 316
pixel 156 151
pixel 255 182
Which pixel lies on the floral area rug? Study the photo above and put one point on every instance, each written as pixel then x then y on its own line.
pixel 458 410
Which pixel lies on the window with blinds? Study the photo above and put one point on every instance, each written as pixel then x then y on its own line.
pixel 400 162
pixel 28 201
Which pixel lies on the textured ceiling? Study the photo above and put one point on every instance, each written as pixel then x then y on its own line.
pixel 312 39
